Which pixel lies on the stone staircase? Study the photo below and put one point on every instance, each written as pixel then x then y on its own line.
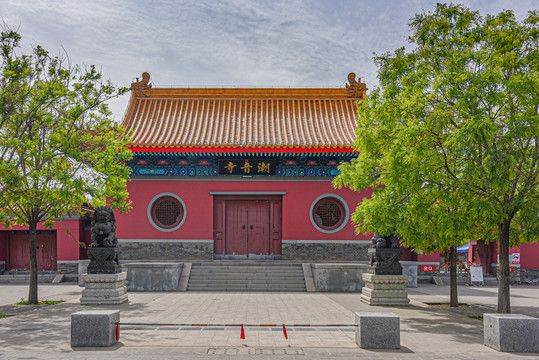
pixel 255 276
pixel 24 278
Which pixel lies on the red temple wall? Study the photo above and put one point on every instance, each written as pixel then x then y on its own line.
pixel 199 208
pixel 529 256
pixel 68 248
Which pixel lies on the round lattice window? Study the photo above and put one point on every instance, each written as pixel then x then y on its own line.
pixel 166 212
pixel 328 213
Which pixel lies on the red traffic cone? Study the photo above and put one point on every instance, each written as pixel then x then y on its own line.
pixel 242 336
pixel 284 332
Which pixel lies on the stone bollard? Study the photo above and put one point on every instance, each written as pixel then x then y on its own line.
pixel 377 330
pixel 94 328
pixel 511 332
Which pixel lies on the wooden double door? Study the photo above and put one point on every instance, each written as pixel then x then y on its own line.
pixel 247 225
pixel 19 251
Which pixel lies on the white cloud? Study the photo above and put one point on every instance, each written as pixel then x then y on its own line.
pixel 218 43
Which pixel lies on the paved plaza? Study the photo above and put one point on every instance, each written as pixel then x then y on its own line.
pixel 427 332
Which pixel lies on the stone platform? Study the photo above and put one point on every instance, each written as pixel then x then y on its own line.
pixel 153 276
pixel 104 289
pixel 384 290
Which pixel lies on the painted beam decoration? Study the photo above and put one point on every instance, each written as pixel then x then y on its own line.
pixel 247 167
pixel 284 165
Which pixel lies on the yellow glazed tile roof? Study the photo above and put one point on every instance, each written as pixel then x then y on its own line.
pixel 242 117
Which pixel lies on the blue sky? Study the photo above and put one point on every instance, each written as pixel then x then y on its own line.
pixel 226 43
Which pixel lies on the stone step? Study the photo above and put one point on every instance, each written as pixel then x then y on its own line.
pixel 297 282
pixel 227 289
pixel 247 273
pixel 194 277
pixel 276 267
pixel 246 268
pixel 25 278
pixel 244 263
pixel 246 288
pixel 244 284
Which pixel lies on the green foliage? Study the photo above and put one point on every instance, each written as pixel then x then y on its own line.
pixel 59 150
pixel 40 302
pixel 449 141
pixel 58 147
pixel 4 315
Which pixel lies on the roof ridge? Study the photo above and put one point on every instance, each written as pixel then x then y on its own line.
pixel 143 88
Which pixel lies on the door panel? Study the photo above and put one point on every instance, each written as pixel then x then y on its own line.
pixel 258 234
pixel 236 228
pixel 276 226
pixel 46 251
pixel 219 226
pixel 19 252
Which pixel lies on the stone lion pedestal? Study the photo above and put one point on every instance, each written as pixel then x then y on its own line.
pixel 104 282
pixel 384 289
pixel 384 281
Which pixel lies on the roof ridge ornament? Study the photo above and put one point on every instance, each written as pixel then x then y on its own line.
pixel 356 89
pixel 142 88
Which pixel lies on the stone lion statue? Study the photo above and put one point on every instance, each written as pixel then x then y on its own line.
pixel 104 228
pixel 381 242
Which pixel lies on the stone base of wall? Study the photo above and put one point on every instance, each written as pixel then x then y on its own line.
pixel 2 267
pixel 529 276
pixel 325 251
pixel 133 250
pixel 71 267
pixel 514 278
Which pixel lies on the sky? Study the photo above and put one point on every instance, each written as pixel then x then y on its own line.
pixel 239 43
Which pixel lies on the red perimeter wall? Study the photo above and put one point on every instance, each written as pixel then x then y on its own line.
pixel 529 256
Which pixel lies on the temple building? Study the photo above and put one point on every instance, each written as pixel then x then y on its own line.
pixel 241 173
pixel 237 173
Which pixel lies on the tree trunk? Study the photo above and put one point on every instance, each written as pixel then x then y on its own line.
pixel 32 291
pixel 453 298
pixel 504 297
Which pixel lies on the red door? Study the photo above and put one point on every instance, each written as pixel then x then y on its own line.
pixel 258 222
pixel 247 226
pixel 236 228
pixel 19 251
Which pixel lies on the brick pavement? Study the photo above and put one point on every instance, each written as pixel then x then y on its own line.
pixel 426 332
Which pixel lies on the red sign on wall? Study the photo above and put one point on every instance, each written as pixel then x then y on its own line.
pixel 428 268
pixel 511 270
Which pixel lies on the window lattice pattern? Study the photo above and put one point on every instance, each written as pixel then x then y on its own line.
pixel 328 214
pixel 168 212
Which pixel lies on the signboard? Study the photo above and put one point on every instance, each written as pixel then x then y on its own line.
pixel 428 268
pixel 515 258
pixel 476 273
pixel 511 270
pixel 247 167
pixel 463 248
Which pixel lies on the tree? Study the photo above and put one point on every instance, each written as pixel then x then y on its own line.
pixel 58 147
pixel 449 140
